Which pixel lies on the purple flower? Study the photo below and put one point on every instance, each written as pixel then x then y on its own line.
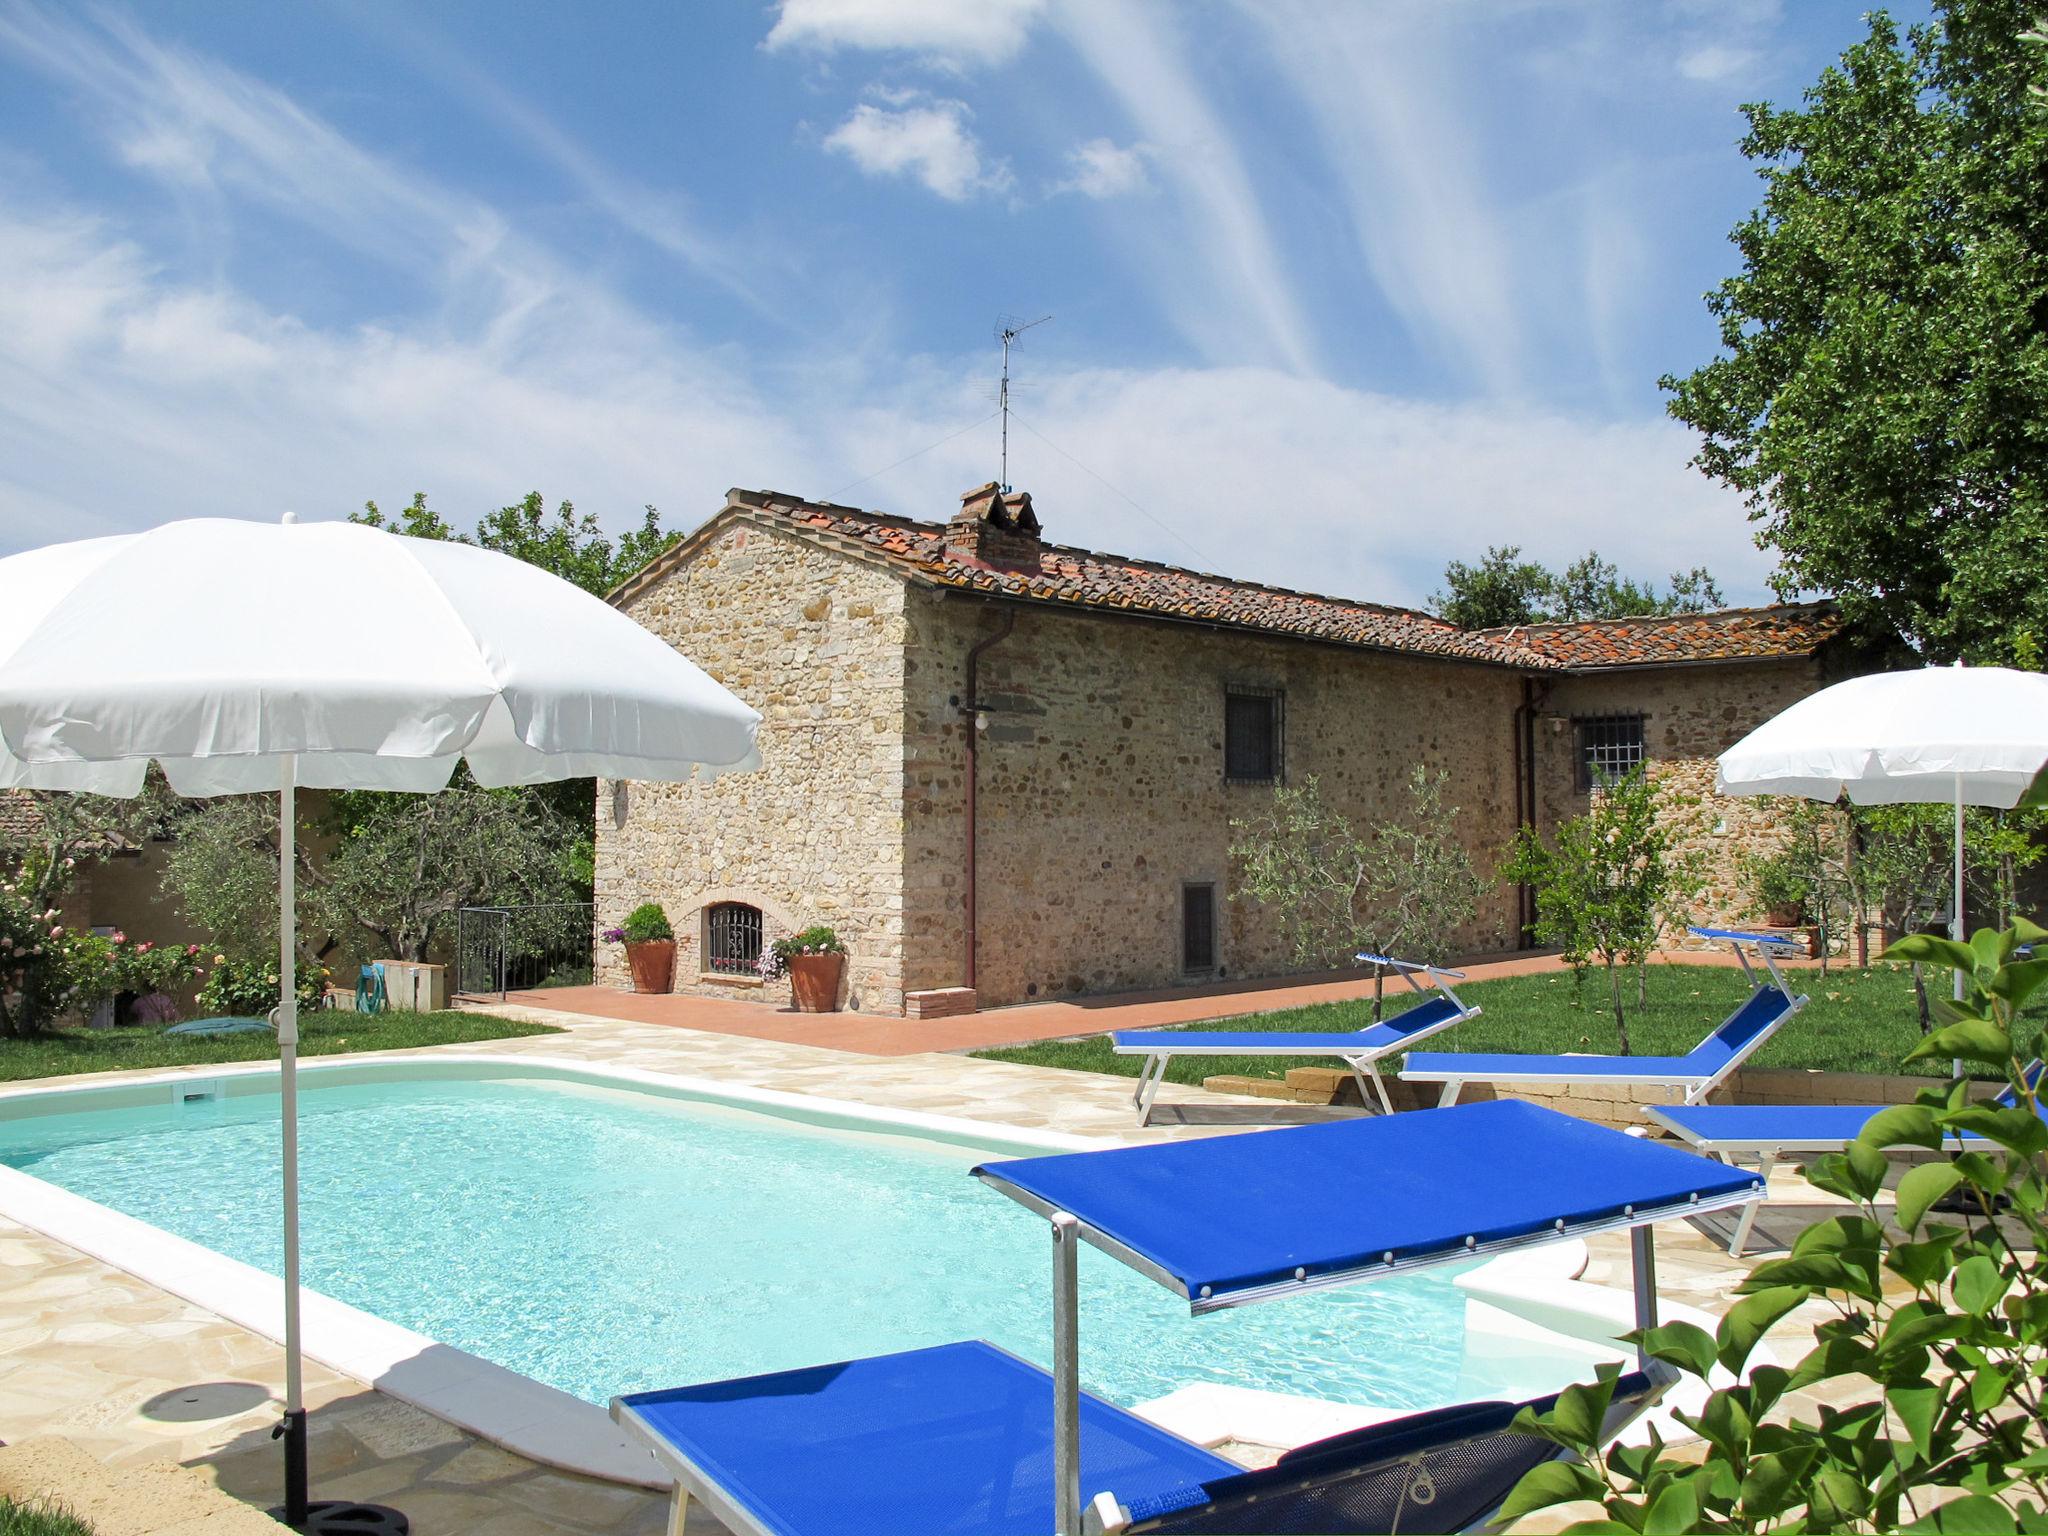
pixel 614 935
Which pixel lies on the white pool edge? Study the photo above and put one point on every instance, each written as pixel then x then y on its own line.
pixel 524 1416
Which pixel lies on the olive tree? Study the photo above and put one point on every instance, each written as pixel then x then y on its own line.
pixel 388 869
pixel 1408 888
pixel 1611 880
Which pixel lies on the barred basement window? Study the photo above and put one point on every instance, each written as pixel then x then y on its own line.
pixel 1198 927
pixel 1252 729
pixel 732 938
pixel 1610 747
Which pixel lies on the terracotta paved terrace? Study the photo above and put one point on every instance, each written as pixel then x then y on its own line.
pixel 874 1034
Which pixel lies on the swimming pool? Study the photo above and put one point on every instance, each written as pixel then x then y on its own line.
pixel 602 1238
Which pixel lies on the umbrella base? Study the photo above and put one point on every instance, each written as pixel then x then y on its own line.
pixel 345 1517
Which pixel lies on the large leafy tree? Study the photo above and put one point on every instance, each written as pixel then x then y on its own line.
pixel 570 544
pixel 1881 398
pixel 381 873
pixel 1505 589
pixel 566 543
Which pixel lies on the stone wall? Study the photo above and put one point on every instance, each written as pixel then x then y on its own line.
pixel 814 640
pixel 1692 715
pixel 1102 788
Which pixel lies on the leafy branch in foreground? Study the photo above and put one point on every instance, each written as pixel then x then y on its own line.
pixel 1939 1339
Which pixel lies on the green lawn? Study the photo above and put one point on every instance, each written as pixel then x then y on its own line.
pixel 320 1034
pixel 1857 1021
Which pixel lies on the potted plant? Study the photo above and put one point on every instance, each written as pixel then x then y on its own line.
pixel 1780 890
pixel 650 947
pixel 815 959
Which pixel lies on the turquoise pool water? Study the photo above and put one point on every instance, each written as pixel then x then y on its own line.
pixel 604 1240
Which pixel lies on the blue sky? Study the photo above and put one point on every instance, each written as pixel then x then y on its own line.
pixel 1341 290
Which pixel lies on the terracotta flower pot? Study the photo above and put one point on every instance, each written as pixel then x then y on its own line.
pixel 814 982
pixel 654 965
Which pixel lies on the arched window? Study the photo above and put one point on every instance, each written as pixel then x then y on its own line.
pixel 732 938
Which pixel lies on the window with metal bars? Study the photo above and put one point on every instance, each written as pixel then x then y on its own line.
pixel 732 938
pixel 1198 927
pixel 1252 730
pixel 1610 747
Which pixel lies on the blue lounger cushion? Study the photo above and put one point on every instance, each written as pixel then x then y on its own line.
pixel 1479 1068
pixel 1764 1009
pixel 955 1440
pixel 1250 1041
pixel 1795 1127
pixel 1375 1039
pixel 1791 1125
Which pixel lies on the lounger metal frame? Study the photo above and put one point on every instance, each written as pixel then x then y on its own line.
pixel 1768 1150
pixel 1768 949
pixel 1364 1065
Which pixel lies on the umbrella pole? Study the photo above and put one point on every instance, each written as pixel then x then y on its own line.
pixel 293 1429
pixel 329 1517
pixel 1955 923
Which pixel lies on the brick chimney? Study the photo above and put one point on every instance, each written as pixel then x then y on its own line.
pixel 996 528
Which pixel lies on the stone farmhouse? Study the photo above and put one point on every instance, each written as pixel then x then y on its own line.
pixel 1006 765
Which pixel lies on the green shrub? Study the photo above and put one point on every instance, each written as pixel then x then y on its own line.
pixel 1928 1372
pixel 815 940
pixel 1777 883
pixel 240 989
pixel 647 924
pixel 39 1517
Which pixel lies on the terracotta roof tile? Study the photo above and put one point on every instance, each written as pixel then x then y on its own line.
pixel 1089 579
pixel 18 816
pixel 1728 634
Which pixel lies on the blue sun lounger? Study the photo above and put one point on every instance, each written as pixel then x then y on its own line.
pixel 1698 1073
pixel 1767 1132
pixel 967 1440
pixel 1362 1050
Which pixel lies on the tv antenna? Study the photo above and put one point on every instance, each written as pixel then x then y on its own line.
pixel 1007 331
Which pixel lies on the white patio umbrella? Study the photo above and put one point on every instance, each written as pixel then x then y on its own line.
pixel 248 657
pixel 1936 736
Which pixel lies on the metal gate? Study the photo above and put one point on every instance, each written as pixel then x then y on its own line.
pixel 522 948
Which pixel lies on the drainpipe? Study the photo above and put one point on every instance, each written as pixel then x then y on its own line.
pixel 1525 795
pixel 1521 716
pixel 970 712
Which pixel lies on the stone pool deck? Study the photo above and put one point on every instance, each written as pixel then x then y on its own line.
pixel 875 1034
pixel 135 1374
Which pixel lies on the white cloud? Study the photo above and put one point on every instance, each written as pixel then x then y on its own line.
pixel 1399 138
pixel 127 398
pixel 1715 62
pixel 929 142
pixel 1224 279
pixel 1103 169
pixel 957 31
pixel 129 394
pixel 1308 484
